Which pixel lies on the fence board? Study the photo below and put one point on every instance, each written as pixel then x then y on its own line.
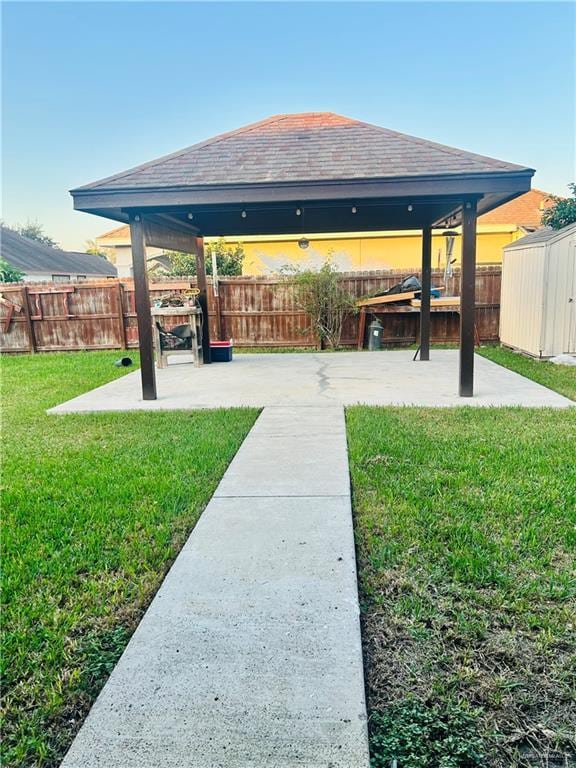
pixel 254 311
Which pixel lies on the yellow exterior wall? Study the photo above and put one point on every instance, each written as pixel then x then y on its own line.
pixel 390 250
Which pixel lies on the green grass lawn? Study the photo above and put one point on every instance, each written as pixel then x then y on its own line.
pixel 561 378
pixel 95 507
pixel 465 525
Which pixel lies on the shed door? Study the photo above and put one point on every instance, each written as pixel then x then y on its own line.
pixel 570 341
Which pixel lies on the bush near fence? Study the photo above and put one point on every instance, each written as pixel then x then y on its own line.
pixel 254 311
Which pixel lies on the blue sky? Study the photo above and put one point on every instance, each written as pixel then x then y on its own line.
pixel 90 89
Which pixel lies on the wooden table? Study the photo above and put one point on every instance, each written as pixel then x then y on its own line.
pixel 192 317
pixel 387 309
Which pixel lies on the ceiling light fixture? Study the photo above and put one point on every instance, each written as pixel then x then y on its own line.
pixel 298 211
pixel 354 209
pixel 410 208
pixel 243 214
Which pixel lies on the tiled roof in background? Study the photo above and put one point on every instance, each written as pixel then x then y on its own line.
pixel 525 211
pixel 315 146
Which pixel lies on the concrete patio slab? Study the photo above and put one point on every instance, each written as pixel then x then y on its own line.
pixel 306 379
pixel 250 653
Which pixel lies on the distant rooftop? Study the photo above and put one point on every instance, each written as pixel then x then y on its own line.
pixel 525 211
pixel 32 256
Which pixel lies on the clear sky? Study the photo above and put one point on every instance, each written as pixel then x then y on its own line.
pixel 90 89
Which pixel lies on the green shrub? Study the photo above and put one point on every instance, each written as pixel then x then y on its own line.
pixel 323 297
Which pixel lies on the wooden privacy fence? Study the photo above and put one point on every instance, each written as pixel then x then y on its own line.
pixel 254 311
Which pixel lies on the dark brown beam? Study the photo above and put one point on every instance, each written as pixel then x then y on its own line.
pixel 163 234
pixel 508 183
pixel 426 285
pixel 142 299
pixel 468 298
pixel 203 298
pixel 184 225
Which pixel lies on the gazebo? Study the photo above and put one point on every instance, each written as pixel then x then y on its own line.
pixel 305 173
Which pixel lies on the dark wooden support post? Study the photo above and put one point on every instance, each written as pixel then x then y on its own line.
pixel 468 298
pixel 425 295
pixel 203 298
pixel 142 299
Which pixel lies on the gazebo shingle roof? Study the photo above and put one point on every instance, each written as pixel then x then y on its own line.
pixel 299 148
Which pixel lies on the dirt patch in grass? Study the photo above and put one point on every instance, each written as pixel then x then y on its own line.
pixel 466 532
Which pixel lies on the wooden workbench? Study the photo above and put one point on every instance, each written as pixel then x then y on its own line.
pixel 193 317
pixel 446 304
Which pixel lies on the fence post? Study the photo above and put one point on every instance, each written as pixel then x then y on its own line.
pixel 121 326
pixel 29 323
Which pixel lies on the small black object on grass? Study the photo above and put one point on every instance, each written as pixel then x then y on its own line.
pixel 124 362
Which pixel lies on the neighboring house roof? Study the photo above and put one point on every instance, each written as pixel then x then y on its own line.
pixel 313 146
pixel 120 233
pixel 541 236
pixel 525 211
pixel 31 256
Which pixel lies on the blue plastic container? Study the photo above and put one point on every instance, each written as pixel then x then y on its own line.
pixel 221 351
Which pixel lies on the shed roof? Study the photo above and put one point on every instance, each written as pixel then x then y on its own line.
pixel 315 146
pixel 32 256
pixel 542 236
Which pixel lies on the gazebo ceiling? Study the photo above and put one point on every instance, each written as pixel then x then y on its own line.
pixel 312 172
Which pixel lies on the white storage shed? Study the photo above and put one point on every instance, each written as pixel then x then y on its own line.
pixel 538 298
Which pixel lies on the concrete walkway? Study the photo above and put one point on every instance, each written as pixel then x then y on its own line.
pixel 250 653
pixel 305 379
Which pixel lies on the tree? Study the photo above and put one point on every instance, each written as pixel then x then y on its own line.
pixel 93 248
pixel 321 295
pixel 8 273
pixel 562 212
pixel 183 264
pixel 33 230
pixel 228 260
